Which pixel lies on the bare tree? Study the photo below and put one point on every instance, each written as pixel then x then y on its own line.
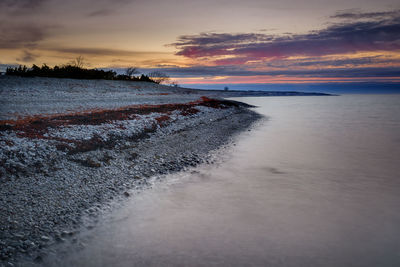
pixel 78 62
pixel 131 71
pixel 158 76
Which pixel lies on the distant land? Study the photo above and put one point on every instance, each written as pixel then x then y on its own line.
pixel 330 88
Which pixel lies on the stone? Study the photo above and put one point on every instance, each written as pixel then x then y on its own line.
pixel 64 233
pixel 29 243
pixel 39 259
pixel 45 238
pixel 59 239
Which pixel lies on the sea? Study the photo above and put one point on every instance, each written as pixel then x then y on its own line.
pixel 315 183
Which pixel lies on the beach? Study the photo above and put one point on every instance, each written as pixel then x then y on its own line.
pixel 311 185
pixel 69 147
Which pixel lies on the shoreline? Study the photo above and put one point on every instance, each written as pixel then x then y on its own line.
pixel 62 168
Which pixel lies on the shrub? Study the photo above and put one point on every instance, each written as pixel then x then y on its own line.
pixel 158 76
pixel 75 70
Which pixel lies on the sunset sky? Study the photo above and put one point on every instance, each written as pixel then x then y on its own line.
pixel 211 41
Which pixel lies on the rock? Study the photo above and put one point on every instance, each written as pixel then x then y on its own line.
pixel 10 249
pixel 29 243
pixel 126 194
pixel 91 163
pixel 59 239
pixel 132 156
pixel 64 233
pixel 39 259
pixel 45 238
pixel 18 235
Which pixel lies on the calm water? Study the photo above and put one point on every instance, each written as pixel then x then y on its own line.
pixel 318 184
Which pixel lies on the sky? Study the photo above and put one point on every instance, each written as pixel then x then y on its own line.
pixel 211 41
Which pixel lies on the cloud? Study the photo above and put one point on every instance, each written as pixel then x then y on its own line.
pixel 103 51
pixel 212 44
pixel 91 8
pixel 339 38
pixel 356 14
pixel 101 12
pixel 27 56
pixel 20 7
pixel 209 71
pixel 221 38
pixel 332 62
pixel 21 3
pixel 13 36
pixel 107 7
pixel 19 26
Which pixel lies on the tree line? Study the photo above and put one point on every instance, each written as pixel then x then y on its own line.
pixel 76 70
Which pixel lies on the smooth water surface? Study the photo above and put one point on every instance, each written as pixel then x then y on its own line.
pixel 317 184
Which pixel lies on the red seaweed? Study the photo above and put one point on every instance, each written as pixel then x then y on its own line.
pixel 37 126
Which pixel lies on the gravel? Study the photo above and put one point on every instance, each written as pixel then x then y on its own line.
pixel 47 192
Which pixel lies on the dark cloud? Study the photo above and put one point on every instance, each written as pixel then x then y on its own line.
pixel 318 62
pixel 102 51
pixel 212 44
pixel 18 28
pixel 200 71
pixel 21 35
pixel 16 7
pixel 108 7
pixel 355 15
pixel 27 56
pixel 25 23
pixel 91 8
pixel 222 38
pixel 101 12
pixel 21 3
pixel 341 38
pixel 210 71
pixel 338 62
pixel 341 72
